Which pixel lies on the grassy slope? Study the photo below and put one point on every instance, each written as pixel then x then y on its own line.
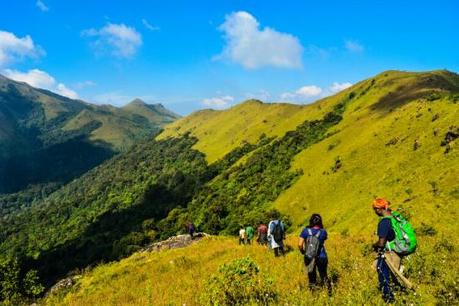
pixel 422 182
pixel 372 168
pixel 119 126
pixel 178 277
pixel 221 131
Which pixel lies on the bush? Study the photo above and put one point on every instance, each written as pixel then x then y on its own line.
pixel 239 283
pixel 15 287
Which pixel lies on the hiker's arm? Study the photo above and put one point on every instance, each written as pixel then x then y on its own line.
pixel 378 245
pixel 301 245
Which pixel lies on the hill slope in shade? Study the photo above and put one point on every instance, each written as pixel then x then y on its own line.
pixel 40 132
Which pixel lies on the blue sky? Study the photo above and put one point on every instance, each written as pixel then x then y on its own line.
pixel 191 55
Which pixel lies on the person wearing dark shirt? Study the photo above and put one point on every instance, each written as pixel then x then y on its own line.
pixel 320 263
pixel 191 228
pixel 385 234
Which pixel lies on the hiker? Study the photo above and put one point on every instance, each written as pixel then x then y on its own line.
pixel 311 245
pixel 242 235
pixel 262 233
pixel 250 232
pixel 191 229
pixel 276 235
pixel 395 238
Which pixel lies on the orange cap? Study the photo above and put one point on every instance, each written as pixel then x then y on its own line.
pixel 381 203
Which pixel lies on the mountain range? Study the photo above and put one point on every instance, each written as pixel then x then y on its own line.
pixel 392 135
pixel 47 139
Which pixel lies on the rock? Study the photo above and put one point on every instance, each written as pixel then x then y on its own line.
pixel 392 142
pixel 174 242
pixel 63 284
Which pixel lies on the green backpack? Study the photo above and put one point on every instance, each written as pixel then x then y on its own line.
pixel 405 239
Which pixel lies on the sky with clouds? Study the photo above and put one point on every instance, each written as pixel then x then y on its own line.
pixel 190 55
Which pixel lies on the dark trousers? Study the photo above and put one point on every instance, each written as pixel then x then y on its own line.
pixel 279 251
pixel 262 239
pixel 320 266
pixel 384 276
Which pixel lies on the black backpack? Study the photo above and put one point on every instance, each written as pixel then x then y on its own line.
pixel 278 233
pixel 312 244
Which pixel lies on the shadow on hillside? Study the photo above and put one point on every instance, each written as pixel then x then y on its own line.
pixel 425 87
pixel 103 239
pixel 58 163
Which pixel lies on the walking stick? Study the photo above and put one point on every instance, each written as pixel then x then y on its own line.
pixel 397 273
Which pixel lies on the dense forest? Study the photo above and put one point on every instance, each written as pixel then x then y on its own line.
pixel 149 193
pixel 46 139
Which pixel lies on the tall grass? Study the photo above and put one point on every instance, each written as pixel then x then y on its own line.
pixel 180 276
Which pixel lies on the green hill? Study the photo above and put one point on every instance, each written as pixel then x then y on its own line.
pixel 389 136
pixel 40 132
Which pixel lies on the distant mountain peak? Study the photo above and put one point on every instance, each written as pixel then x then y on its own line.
pixel 137 101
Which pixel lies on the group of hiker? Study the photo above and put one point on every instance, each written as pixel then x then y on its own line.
pixel 271 235
pixel 396 239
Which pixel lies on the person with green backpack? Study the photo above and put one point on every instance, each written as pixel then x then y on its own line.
pixel 396 238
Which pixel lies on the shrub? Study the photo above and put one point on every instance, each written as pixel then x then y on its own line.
pixel 239 283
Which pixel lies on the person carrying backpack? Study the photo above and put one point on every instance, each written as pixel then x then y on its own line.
pixel 311 245
pixel 396 238
pixel 276 236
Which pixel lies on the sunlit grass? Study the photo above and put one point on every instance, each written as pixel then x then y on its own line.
pixel 178 277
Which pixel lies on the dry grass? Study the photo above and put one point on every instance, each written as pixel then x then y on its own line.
pixel 178 277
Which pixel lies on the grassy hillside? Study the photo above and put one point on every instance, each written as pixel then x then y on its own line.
pixel 391 149
pixel 181 276
pixel 391 136
pixel 390 143
pixel 219 132
pixel 40 131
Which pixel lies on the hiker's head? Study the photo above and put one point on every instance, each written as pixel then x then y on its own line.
pixel 380 206
pixel 274 214
pixel 316 220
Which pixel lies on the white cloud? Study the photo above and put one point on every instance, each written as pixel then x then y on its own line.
pixel 34 77
pixel 262 95
pixel 353 46
pixel 218 102
pixel 85 84
pixel 116 39
pixel 42 6
pixel 40 79
pixel 253 47
pixel 65 91
pixel 302 94
pixel 336 87
pixel 311 92
pixel 149 26
pixel 13 48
